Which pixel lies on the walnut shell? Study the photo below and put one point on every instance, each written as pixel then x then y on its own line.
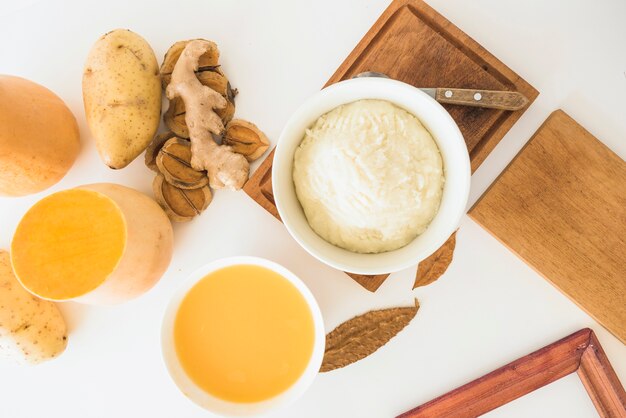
pixel 174 163
pixel 246 139
pixel 153 150
pixel 180 205
pixel 208 61
pixel 210 74
pixel 214 80
pixel 174 117
pixel 227 113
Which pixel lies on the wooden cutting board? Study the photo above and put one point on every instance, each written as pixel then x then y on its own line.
pixel 413 43
pixel 561 207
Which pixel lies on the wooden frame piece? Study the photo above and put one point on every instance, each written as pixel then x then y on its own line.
pixel 580 352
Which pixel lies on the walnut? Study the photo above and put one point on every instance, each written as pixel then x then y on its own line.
pixel 225 168
pixel 206 148
pixel 153 150
pixel 246 139
pixel 209 73
pixel 180 205
pixel 207 62
pixel 174 163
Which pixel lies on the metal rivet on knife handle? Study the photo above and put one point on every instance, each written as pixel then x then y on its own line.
pixel 505 100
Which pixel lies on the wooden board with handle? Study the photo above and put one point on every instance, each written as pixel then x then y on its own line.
pixel 413 43
pixel 561 207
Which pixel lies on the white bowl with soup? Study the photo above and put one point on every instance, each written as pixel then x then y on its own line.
pixel 371 175
pixel 243 336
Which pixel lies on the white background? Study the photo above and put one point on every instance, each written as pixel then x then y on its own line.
pixel 488 309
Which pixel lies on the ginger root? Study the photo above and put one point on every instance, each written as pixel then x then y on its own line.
pixel 224 167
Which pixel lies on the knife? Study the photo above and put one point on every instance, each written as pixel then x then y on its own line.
pixel 493 99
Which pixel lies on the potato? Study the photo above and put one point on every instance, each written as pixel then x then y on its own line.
pixel 32 330
pixel 122 96
pixel 39 138
pixel 100 244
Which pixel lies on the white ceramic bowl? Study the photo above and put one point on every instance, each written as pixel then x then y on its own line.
pixel 455 161
pixel 219 406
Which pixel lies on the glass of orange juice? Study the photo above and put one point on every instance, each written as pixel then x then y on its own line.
pixel 243 336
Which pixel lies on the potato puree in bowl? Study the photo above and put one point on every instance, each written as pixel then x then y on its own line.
pixel 369 176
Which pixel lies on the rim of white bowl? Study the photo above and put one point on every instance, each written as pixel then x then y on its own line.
pixel 220 406
pixel 362 88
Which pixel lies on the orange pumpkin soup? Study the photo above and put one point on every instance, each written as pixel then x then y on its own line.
pixel 244 334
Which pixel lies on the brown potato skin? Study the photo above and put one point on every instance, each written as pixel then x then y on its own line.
pixel 39 137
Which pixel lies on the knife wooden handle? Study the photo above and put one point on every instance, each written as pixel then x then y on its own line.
pixel 505 100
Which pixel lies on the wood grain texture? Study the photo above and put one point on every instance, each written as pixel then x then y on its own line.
pixel 259 186
pixel 505 100
pixel 580 352
pixel 561 207
pixel 411 42
pixel 601 381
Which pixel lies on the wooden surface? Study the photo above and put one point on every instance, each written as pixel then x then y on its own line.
pixel 579 352
pixel 561 206
pixel 411 42
pixel 276 61
pixel 259 186
pixel 601 382
pixel 505 100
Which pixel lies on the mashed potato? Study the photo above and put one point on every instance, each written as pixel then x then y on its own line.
pixel 369 176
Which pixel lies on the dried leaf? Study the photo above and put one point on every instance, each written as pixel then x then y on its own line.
pixel 362 335
pixel 433 267
pixel 371 283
